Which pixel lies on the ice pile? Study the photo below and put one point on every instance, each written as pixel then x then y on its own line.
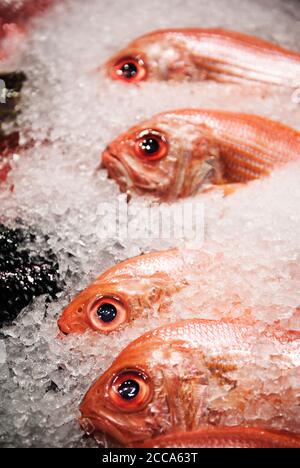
pixel 71 111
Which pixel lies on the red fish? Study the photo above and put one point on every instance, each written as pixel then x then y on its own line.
pixel 184 376
pixel 126 290
pixel 180 153
pixel 225 437
pixel 205 54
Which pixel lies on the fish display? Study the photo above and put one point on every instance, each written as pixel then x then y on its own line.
pixel 225 437
pixel 205 54
pixel 129 289
pixel 183 152
pixel 186 375
pixel 27 270
pixel 195 383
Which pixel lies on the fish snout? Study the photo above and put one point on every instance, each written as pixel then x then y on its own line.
pixel 106 155
pixel 72 320
pixel 61 334
pixel 64 329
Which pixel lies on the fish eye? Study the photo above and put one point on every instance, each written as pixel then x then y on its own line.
pixel 130 390
pixel 106 313
pixel 129 69
pixel 151 146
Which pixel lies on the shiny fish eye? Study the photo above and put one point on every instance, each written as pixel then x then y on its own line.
pixel 130 390
pixel 151 146
pixel 106 314
pixel 129 69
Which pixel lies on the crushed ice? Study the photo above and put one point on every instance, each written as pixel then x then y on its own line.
pixel 71 111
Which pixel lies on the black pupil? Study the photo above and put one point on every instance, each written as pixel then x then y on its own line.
pixel 129 389
pixel 150 146
pixel 129 70
pixel 107 312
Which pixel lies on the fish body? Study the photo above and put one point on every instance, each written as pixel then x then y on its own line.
pixel 194 373
pixel 143 283
pixel 205 54
pixel 225 437
pixel 183 152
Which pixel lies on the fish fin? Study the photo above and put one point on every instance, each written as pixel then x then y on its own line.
pixel 205 166
pixel 186 396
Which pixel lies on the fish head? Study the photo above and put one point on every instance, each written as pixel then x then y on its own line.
pixel 100 307
pixel 119 296
pixel 160 55
pixel 167 157
pixel 154 387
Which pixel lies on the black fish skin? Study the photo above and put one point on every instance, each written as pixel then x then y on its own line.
pixel 25 273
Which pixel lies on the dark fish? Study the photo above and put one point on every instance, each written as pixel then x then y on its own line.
pixel 25 271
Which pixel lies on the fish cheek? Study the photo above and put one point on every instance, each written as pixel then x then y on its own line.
pixel 153 177
pixel 165 176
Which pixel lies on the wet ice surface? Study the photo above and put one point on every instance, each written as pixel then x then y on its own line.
pixel 71 111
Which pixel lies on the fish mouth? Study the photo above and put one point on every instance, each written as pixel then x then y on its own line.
pixel 127 176
pixel 116 169
pixel 61 334
pixel 91 424
pixel 68 325
pixel 63 329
